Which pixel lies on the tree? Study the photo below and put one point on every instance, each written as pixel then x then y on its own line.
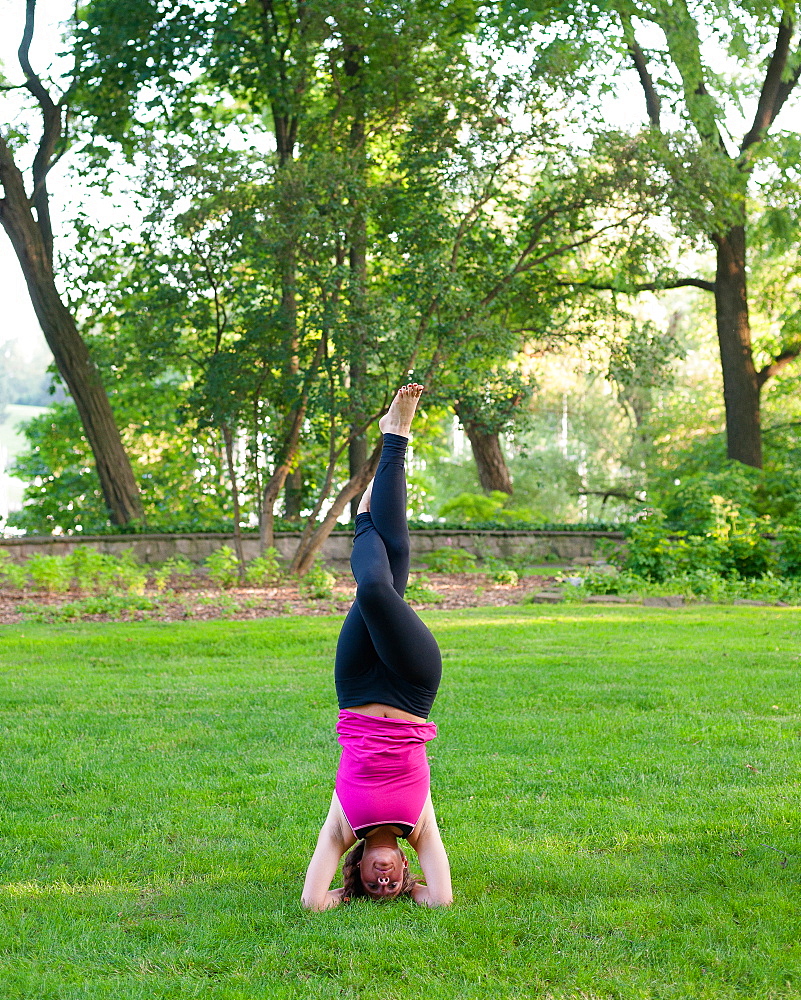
pixel 720 185
pixel 327 78
pixel 328 284
pixel 26 219
pixel 489 402
pixel 181 466
pixel 641 367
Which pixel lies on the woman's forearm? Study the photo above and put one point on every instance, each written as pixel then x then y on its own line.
pixel 321 871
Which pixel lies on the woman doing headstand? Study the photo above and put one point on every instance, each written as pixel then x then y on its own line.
pixel 387 672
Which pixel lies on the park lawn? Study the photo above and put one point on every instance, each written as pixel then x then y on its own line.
pixel 617 788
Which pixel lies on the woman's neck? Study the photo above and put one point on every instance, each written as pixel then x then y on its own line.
pixel 382 836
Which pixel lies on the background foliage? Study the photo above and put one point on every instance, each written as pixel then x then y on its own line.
pixel 318 203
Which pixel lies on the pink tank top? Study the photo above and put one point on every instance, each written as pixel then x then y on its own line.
pixel 383 775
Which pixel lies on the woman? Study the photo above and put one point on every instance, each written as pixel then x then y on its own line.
pixel 387 672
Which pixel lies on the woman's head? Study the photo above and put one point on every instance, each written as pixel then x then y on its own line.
pixel 378 872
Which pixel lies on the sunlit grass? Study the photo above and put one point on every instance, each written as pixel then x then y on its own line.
pixel 617 786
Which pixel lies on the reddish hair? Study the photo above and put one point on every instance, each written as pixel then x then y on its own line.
pixel 352 877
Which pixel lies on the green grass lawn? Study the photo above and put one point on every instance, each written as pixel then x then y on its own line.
pixel 618 789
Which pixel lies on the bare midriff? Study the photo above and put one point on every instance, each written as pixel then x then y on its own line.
pixel 384 712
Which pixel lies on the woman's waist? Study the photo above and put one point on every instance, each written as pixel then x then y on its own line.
pixel 364 732
pixel 378 710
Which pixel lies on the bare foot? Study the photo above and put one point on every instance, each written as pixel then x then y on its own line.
pixel 364 503
pixel 398 418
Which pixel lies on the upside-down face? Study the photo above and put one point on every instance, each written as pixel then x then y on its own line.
pixel 382 870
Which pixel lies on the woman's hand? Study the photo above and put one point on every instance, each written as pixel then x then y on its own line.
pixel 422 896
pixel 332 898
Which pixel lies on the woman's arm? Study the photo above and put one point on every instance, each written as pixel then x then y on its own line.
pixel 426 840
pixel 332 843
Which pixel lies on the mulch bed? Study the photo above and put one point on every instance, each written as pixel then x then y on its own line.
pixel 195 600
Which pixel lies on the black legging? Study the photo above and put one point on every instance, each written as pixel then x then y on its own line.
pixel 385 653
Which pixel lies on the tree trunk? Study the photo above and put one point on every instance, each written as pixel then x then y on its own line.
pixel 291 477
pixel 293 486
pixel 357 262
pixel 740 383
pixel 493 473
pixel 69 350
pixel 357 456
pixel 293 495
pixel 312 542
pixel 276 482
pixel 228 439
pixel 287 452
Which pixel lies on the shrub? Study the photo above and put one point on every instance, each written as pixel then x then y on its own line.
pixel 472 509
pixel 646 550
pixel 174 566
pixel 474 506
pixel 12 574
pixel 773 588
pixel 713 587
pixel 113 605
pixel 689 553
pixel 264 570
pixel 491 564
pixel 417 590
pixel 50 573
pixel 607 550
pixel 716 502
pixel 789 550
pixel 92 570
pixel 595 582
pixel 751 554
pixel 318 583
pixel 703 583
pixel 449 560
pixel 223 567
pixel 505 575
pixel 129 576
pixel 654 553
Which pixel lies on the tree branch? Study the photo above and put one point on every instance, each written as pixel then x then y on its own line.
pixel 32 81
pixel 652 102
pixel 776 365
pixel 51 133
pixel 620 494
pixel 786 86
pixel 490 191
pixel 646 286
pixel 781 427
pixel 773 94
pixel 684 45
pixel 525 264
pixel 356 484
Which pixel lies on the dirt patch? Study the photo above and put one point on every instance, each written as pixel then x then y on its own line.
pixel 195 600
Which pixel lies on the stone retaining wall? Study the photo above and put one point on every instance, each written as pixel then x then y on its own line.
pixel 538 546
